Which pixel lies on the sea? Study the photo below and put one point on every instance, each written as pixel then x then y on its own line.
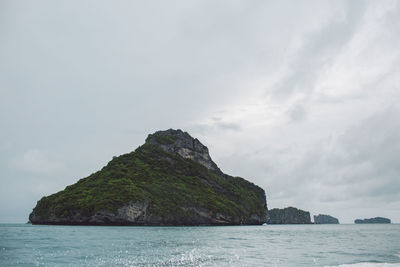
pixel 268 245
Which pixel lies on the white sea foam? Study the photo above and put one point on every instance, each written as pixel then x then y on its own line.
pixel 368 264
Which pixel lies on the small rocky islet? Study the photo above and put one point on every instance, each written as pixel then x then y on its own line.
pixel 289 215
pixel 325 219
pixel 169 180
pixel 372 220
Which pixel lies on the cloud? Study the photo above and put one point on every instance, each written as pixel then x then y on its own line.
pixel 340 86
pixel 370 150
pixel 317 49
pixel 228 126
pixel 297 113
pixel 34 161
pixel 213 125
pixel 300 98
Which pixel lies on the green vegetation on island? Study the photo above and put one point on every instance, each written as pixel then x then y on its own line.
pixel 151 186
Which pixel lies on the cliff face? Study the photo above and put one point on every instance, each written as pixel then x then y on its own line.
pixel 373 220
pixel 182 144
pixel 170 180
pixel 325 219
pixel 288 215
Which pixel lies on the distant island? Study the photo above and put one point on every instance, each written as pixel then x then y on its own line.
pixel 288 215
pixel 325 219
pixel 373 220
pixel 169 180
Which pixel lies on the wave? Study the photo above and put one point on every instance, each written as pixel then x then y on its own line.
pixel 368 264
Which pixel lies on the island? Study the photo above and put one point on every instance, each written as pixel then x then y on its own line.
pixel 325 219
pixel 288 215
pixel 169 180
pixel 373 220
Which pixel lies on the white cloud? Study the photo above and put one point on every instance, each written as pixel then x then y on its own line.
pixel 36 162
pixel 341 87
pixel 278 91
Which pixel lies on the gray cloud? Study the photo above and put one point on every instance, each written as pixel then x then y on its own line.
pixel 35 161
pixel 300 98
pixel 318 49
pixel 297 113
pixel 215 124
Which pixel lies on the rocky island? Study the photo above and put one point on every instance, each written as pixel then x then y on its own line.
pixel 373 220
pixel 288 215
pixel 325 219
pixel 169 180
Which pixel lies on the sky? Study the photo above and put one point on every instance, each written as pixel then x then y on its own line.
pixel 299 97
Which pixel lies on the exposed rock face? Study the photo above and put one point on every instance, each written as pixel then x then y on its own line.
pixel 138 214
pixel 325 219
pixel 182 144
pixel 170 180
pixel 373 220
pixel 288 215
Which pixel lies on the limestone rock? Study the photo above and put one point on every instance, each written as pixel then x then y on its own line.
pixel 288 215
pixel 325 219
pixel 170 180
pixel 182 144
pixel 373 220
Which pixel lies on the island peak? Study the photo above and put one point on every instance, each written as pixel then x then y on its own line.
pixel 169 180
pixel 184 145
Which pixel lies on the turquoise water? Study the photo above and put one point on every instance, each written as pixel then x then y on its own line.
pixel 270 245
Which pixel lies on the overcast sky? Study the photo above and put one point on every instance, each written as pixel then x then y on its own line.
pixel 301 98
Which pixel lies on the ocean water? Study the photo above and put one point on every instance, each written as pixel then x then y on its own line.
pixel 269 245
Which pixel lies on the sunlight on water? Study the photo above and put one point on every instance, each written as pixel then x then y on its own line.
pixel 277 245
